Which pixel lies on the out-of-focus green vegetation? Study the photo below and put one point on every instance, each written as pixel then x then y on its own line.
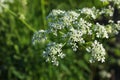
pixel 20 60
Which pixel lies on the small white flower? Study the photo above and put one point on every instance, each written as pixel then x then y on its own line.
pixel 83 26
pixel 69 17
pixel 75 36
pixel 55 13
pixel 90 11
pixel 39 36
pixel 108 11
pixel 53 52
pixel 101 31
pixel 118 21
pixel 88 49
pixel 114 27
pixel 97 52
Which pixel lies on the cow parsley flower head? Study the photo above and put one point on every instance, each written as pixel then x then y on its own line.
pixel 113 28
pixel 54 21
pixel 69 17
pixel 84 26
pixel 39 36
pixel 100 31
pixel 92 12
pixel 60 19
pixel 55 13
pixel 107 11
pixel 53 52
pixel 118 25
pixel 74 37
pixel 97 52
pixel 77 28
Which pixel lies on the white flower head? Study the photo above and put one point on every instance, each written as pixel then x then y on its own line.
pixel 100 31
pixel 108 11
pixel 55 13
pixel 83 26
pixel 75 36
pixel 53 52
pixel 69 17
pixel 39 36
pixel 97 52
pixel 90 11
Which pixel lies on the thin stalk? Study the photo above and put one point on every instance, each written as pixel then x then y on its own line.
pixel 23 21
pixel 43 13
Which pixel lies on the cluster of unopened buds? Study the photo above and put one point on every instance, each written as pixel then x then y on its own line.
pixel 75 29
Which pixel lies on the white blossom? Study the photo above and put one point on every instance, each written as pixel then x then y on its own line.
pixel 83 26
pixel 92 12
pixel 75 36
pixel 77 29
pixel 104 74
pixel 39 36
pixel 55 13
pixel 108 11
pixel 60 19
pixel 113 28
pixel 100 31
pixel 53 52
pixel 69 17
pixel 97 52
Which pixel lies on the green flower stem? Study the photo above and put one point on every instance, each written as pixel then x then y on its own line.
pixel 43 13
pixel 23 21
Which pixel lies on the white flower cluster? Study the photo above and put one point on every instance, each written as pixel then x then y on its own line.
pixel 83 26
pixel 91 12
pixel 53 52
pixel 60 19
pixel 113 28
pixel 108 11
pixel 116 2
pixel 100 30
pixel 3 3
pixel 39 36
pixel 97 52
pixel 75 36
pixel 77 29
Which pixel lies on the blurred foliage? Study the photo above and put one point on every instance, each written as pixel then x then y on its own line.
pixel 19 60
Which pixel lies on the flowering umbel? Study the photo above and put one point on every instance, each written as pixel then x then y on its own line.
pixel 97 52
pixel 75 29
pixel 53 52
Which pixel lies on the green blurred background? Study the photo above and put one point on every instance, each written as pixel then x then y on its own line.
pixel 20 60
